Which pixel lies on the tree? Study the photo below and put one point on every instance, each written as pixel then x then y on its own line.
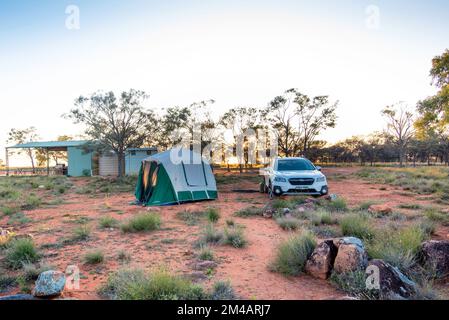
pixel 282 116
pixel 315 115
pixel 433 120
pixel 115 123
pixel 20 136
pixel 400 127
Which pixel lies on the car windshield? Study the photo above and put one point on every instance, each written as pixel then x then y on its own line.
pixel 295 165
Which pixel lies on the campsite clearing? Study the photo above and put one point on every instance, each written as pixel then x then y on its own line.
pixel 85 218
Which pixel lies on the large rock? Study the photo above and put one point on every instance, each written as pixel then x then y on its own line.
pixel 390 282
pixel 351 255
pixel 436 254
pixel 380 209
pixel 322 260
pixel 49 284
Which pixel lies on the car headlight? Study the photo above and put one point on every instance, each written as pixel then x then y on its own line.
pixel 321 179
pixel 280 179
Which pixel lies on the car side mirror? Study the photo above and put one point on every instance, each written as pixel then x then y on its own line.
pixel 318 168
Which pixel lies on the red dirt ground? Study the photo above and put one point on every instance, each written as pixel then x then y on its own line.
pixel 173 245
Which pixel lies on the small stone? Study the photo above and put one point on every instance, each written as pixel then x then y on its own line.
pixel 49 284
pixel 285 210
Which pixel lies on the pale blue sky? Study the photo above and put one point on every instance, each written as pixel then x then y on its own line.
pixel 238 54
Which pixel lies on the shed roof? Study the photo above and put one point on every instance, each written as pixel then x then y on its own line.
pixel 50 144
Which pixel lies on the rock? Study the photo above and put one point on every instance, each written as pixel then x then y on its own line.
pixel 392 284
pixel 436 254
pixel 18 297
pixel 205 265
pixel 351 255
pixel 303 207
pixel 381 209
pixel 268 214
pixel 322 260
pixel 331 197
pixel 446 211
pixel 49 284
pixel 285 210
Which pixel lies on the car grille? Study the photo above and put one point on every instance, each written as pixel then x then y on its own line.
pixel 301 181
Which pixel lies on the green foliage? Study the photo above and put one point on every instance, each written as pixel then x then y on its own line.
pixel 222 290
pixel 337 205
pixel 20 252
pixel 18 218
pixel 292 254
pixel 354 284
pixel 7 282
pixel 94 257
pixel 160 285
pixel 235 237
pixel 147 221
pixel 357 225
pixel 397 247
pixel 211 235
pixel 321 216
pixel 107 222
pixel 288 223
pixel 191 218
pixel 206 253
pixel 212 214
pixel 249 212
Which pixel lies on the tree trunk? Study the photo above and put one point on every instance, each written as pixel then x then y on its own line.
pixel 121 167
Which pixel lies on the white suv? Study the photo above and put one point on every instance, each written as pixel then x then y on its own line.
pixel 286 176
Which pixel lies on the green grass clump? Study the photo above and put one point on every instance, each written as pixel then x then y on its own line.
pixel 249 212
pixel 337 205
pixel 123 256
pixel 288 223
pixel 142 222
pixel 320 217
pixel 357 225
pixel 7 282
pixel 32 202
pixel 212 214
pixel 222 290
pixel 20 252
pixel 292 254
pixel 354 284
pixel 18 219
pixel 281 204
pixel 410 206
pixel 81 233
pixel 160 285
pixel 107 222
pixel 397 247
pixel 206 253
pixel 9 210
pixel 435 216
pixel 211 235
pixel 94 257
pixel 191 218
pixel 235 237
pixel 365 205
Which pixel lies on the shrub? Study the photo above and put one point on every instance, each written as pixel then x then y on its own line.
pixel 211 235
pixel 191 218
pixel 7 282
pixel 142 222
pixel 230 222
pixel 20 252
pixel 281 203
pixel 212 214
pixel 324 231
pixel 292 254
pixel 81 233
pixel 107 222
pixel 433 215
pixel 249 212
pixel 397 247
pixel 222 290
pixel 410 206
pixel 354 284
pixel 31 272
pixel 94 257
pixel 321 217
pixel 206 253
pixel 356 225
pixel 234 237
pixel 18 218
pixel 160 285
pixel 338 204
pixel 123 256
pixel 365 205
pixel 32 202
pixel 10 210
pixel 427 226
pixel 288 223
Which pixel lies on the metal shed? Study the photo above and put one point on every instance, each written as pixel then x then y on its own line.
pixel 79 161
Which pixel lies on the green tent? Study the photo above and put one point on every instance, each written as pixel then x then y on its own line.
pixel 175 176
